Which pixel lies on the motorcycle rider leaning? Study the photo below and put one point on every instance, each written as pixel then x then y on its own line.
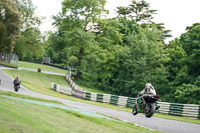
pixel 148 90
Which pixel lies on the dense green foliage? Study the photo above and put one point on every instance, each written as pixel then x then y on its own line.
pixel 19 31
pixel 144 62
pixel 140 12
pixel 118 55
pixel 10 23
pixel 30 44
pixel 184 67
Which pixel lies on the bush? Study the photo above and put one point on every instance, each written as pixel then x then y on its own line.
pixel 188 93
pixel 73 61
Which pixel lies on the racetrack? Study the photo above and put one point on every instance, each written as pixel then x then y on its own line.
pixel 159 124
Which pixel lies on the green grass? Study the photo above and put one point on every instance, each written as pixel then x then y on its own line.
pixel 41 66
pixel 21 117
pixel 177 118
pixel 41 83
pixel 38 82
pixel 7 64
pixel 27 97
pixel 88 87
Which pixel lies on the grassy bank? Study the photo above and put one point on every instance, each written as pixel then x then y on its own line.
pixel 41 66
pixel 18 117
pixel 8 64
pixel 38 82
pixel 41 83
pixel 80 83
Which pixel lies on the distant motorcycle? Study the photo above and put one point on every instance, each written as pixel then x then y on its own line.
pixel 149 108
pixel 17 86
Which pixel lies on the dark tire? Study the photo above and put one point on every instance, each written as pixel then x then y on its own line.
pixel 150 110
pixel 134 111
pixel 16 88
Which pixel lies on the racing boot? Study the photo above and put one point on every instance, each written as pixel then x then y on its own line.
pixel 157 107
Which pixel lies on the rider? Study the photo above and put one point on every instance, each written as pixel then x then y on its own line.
pixel 16 81
pixel 148 90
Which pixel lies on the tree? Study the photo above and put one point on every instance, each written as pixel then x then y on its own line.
pixel 144 63
pixel 2 36
pixel 77 43
pixel 177 68
pixel 75 26
pixel 138 11
pixel 164 32
pixel 110 64
pixel 55 49
pixel 177 65
pixel 29 46
pixel 27 12
pixel 128 27
pixel 73 61
pixel 188 93
pixel 109 33
pixel 86 11
pixel 30 37
pixel 190 42
pixel 11 22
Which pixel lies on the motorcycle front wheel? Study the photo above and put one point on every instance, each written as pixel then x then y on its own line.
pixel 16 89
pixel 150 110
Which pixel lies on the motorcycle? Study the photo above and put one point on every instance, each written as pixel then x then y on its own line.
pixel 17 86
pixel 148 108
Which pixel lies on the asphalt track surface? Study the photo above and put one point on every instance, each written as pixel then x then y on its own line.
pixel 47 72
pixel 154 123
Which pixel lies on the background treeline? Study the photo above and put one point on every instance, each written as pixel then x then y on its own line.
pixel 19 32
pixel 118 55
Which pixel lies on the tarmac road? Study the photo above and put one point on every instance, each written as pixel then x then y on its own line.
pixel 47 72
pixel 159 124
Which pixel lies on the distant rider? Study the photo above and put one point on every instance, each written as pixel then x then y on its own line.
pixel 16 82
pixel 148 91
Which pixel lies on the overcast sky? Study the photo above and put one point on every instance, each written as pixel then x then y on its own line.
pixel 175 14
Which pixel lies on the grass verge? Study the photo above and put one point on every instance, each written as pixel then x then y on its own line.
pixel 8 65
pixel 41 83
pixel 17 117
pixel 177 118
pixel 41 66
pixel 28 97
